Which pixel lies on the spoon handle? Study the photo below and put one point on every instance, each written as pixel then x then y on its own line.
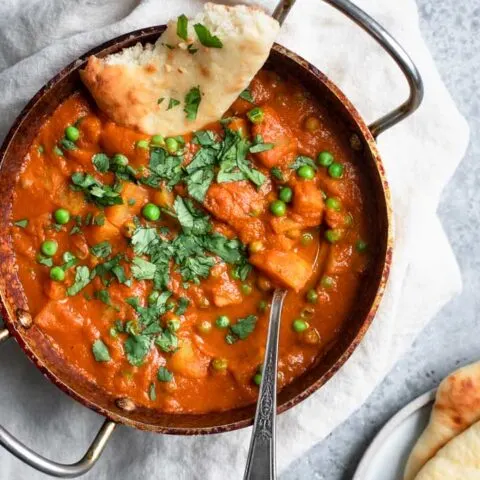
pixel 261 456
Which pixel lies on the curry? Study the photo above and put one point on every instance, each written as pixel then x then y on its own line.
pixel 149 262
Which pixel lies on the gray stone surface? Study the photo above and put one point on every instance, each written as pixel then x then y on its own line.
pixel 452 31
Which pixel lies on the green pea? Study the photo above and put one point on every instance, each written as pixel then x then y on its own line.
pixel 299 325
pixel 157 141
pixel 361 246
pixel 57 274
pixel 307 239
pixel 151 212
pixel 325 159
pixel 255 115
pixel 173 324
pixel 143 144
pixel 72 133
pixel 62 216
pixel 278 208
pixel 246 289
pixel 312 296
pixel 120 160
pixel 306 171
pixel 332 235
pixel 327 282
pixel 171 145
pixel 49 248
pixel 333 204
pixel 204 327
pixel 257 379
pixel 262 306
pixel 222 321
pixel 285 194
pixel 335 170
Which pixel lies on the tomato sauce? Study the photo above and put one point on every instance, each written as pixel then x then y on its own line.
pixel 319 249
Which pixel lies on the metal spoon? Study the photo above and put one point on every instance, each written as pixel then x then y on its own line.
pixel 261 463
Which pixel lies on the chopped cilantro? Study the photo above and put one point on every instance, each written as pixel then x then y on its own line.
pixel 277 173
pixel 247 95
pixel 142 269
pixel 143 239
pixel 21 223
pixel 102 249
pixel 95 191
pixel 131 202
pixel 69 260
pixel 192 102
pixel 205 138
pixel 182 27
pixel 137 348
pixel 206 38
pixel 160 100
pixel 167 341
pixel 67 144
pixel 164 375
pixel 101 162
pixel 47 261
pixel 82 279
pixel 191 49
pixel 190 218
pixel 261 147
pixel 152 394
pixel 303 160
pixel 173 102
pixel 100 351
pixel 182 306
pixel 242 329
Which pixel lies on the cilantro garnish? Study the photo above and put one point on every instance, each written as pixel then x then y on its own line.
pixel 182 27
pixel 277 173
pixel 152 394
pixel 95 191
pixel 164 375
pixel 303 160
pixel 100 351
pixel 206 38
pixel 205 138
pixel 242 329
pixel 192 102
pixel 101 162
pixel 69 259
pixel 47 261
pixel 247 95
pixel 261 147
pixel 142 269
pixel 167 341
pixel 190 218
pixel 21 223
pixel 82 279
pixel 102 249
pixel 67 144
pixel 173 102
pixel 183 304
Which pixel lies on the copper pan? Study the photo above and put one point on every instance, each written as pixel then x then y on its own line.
pixel 18 321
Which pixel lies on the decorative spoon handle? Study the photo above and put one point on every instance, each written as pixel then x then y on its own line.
pixel 261 455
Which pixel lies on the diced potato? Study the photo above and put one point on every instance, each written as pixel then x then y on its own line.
pixel 90 128
pixel 118 215
pixel 226 292
pixel 99 233
pixel 307 204
pixel 339 259
pixel 54 290
pixel 273 131
pixel 163 197
pixel 287 268
pixel 117 139
pixel 284 224
pixel 188 361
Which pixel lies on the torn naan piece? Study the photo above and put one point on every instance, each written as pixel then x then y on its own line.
pixel 457 407
pixel 190 77
pixel 457 460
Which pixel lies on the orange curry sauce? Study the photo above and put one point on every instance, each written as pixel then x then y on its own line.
pixel 203 371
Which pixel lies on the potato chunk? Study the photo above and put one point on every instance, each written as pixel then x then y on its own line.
pixel 307 204
pixel 287 268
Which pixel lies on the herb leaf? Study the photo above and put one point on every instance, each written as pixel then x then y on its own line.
pixel 142 269
pixel 242 329
pixel 82 279
pixel 303 160
pixel 101 250
pixel 164 375
pixel 247 95
pixel 206 38
pixel 183 304
pixel 167 341
pixel 173 102
pixel 100 351
pixel 192 102
pixel 182 27
pixel 95 191
pixel 101 162
pixel 21 223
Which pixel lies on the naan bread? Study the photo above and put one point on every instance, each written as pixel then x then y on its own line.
pixel 129 86
pixel 457 406
pixel 457 460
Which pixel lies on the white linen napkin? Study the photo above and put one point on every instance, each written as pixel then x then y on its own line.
pixel 39 37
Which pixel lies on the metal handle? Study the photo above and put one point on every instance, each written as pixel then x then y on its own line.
pixel 261 455
pixel 22 452
pixel 393 48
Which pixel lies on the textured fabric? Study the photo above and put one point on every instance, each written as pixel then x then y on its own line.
pixel 38 37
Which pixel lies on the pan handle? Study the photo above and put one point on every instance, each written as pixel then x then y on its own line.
pixel 393 48
pixel 50 467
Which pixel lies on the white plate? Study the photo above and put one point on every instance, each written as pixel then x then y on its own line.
pixel 386 456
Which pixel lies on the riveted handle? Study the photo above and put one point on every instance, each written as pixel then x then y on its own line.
pixel 392 47
pixel 27 455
